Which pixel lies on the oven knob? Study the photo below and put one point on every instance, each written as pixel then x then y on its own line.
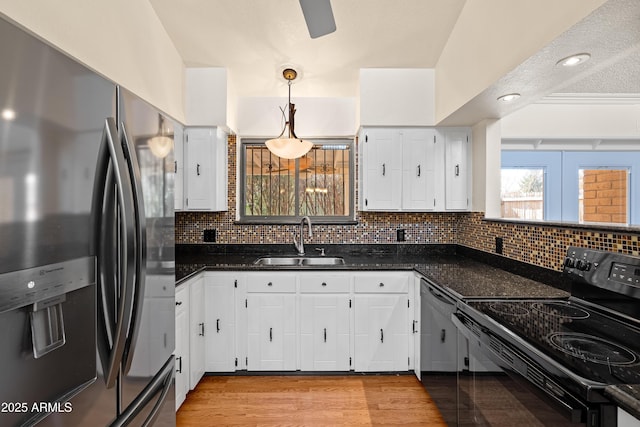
pixel 569 262
pixel 583 265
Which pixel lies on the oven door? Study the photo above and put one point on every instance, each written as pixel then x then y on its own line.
pixel 521 393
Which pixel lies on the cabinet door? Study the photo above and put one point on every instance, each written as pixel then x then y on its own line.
pixel 182 344
pixel 418 169
pixel 206 169
pixel 382 174
pixel 199 152
pixel 456 169
pixel 381 332
pixel 178 152
pixel 219 294
pixel 271 332
pixel 324 332
pixel 197 332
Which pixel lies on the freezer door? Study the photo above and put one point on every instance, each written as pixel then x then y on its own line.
pixel 50 131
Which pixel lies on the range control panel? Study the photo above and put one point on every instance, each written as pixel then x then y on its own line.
pixel 609 270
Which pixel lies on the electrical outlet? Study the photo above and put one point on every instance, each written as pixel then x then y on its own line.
pixel 400 235
pixel 209 236
pixel 499 245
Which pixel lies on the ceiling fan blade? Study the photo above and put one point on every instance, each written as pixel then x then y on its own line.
pixel 319 17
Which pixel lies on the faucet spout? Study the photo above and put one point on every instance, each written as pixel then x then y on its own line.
pixel 300 245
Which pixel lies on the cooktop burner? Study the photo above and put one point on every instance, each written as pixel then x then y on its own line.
pixel 593 349
pixel 560 309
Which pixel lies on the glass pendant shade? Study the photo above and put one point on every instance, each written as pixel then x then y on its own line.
pixel 287 145
pixel 161 144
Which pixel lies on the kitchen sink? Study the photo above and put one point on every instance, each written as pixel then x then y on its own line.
pixel 299 260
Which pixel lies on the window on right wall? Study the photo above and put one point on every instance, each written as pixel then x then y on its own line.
pixel 571 186
pixel 604 195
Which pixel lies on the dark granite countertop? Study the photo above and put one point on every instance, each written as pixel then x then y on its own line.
pixel 626 396
pixel 455 269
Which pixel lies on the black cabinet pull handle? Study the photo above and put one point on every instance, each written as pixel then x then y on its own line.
pixel 324 283
pixel 178 302
pixel 270 334
pixel 201 329
pixel 218 326
pixel 381 335
pixel 443 335
pixel 325 334
pixel 384 169
pixel 198 169
pixel 179 360
pixel 457 170
pixel 418 170
pixel 381 284
pixel 270 284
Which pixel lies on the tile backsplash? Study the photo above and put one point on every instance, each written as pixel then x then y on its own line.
pixel 542 245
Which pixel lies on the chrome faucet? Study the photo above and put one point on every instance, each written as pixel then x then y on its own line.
pixel 300 245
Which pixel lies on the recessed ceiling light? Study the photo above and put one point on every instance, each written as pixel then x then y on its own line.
pixel 573 60
pixel 8 114
pixel 509 97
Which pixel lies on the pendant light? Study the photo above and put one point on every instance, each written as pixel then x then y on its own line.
pixel 287 145
pixel 161 144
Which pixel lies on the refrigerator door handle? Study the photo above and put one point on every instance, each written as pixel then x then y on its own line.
pixel 140 255
pixel 113 226
pixel 159 385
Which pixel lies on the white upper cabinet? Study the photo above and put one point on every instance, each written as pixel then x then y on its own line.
pixel 205 151
pixel 456 143
pixel 414 169
pixel 419 178
pixel 382 169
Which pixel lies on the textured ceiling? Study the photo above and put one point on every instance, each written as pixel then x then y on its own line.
pixel 254 40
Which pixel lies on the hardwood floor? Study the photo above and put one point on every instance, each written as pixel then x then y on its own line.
pixel 353 400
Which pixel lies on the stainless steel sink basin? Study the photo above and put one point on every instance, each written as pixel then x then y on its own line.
pixel 299 260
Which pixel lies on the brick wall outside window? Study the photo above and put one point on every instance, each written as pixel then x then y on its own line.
pixel 605 196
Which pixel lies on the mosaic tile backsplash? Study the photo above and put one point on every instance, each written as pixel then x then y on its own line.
pixel 540 245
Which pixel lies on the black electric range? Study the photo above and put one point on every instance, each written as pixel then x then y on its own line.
pixel 570 349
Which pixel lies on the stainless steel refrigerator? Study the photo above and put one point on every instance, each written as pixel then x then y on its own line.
pixel 86 245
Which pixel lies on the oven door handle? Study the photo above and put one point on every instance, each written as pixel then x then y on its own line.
pixel 440 297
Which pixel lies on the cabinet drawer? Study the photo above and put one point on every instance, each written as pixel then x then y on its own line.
pixel 382 283
pixel 324 283
pixel 276 283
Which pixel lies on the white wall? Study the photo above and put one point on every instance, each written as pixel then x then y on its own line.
pixel 315 117
pixel 486 168
pixel 397 97
pixel 120 39
pixel 206 96
pixel 574 121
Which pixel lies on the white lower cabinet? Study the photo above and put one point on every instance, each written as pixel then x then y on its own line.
pixel 625 419
pixel 382 322
pixel 325 307
pixel 182 344
pixel 220 320
pixel 303 320
pixel 197 331
pixel 271 322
